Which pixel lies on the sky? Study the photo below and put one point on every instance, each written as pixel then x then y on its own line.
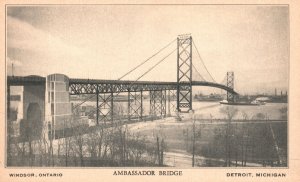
pixel 106 41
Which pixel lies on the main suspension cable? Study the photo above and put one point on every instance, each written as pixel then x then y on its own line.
pixel 147 59
pixel 155 65
pixel 198 72
pixel 203 62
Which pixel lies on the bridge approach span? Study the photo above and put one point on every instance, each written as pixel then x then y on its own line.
pixel 91 86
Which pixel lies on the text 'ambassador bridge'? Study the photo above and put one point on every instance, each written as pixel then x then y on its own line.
pixel 47 100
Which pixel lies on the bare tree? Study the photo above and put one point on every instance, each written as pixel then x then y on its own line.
pixel 67 149
pixel 136 146
pixel 100 136
pixel 42 145
pixel 92 144
pixel 245 138
pixel 79 142
pixel 230 112
pixel 159 136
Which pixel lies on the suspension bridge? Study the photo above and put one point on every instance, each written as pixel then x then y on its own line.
pixel 51 94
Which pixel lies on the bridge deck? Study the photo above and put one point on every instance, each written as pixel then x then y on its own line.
pixel 91 86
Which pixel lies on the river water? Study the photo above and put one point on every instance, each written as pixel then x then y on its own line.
pixel 212 110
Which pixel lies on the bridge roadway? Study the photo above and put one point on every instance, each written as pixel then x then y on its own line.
pixel 91 86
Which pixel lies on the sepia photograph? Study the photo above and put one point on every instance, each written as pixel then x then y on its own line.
pixel 175 86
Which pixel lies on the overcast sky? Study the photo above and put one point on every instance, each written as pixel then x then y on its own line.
pixel 106 41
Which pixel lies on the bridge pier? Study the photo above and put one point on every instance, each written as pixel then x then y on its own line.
pixel 112 107
pixel 135 105
pixel 105 107
pixel 97 106
pixel 158 103
pixel 171 106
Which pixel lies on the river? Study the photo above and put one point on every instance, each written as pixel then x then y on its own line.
pixel 212 110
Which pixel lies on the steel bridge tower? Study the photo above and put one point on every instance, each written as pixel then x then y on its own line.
pixel 184 73
pixel 230 84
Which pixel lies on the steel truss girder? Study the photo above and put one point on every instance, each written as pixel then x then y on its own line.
pixel 158 103
pixel 184 73
pixel 135 105
pixel 81 88
pixel 91 88
pixel 230 84
pixel 86 86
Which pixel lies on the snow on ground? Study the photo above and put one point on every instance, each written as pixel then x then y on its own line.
pixel 141 126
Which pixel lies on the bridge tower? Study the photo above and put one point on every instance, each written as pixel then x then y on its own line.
pixel 184 73
pixel 230 84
